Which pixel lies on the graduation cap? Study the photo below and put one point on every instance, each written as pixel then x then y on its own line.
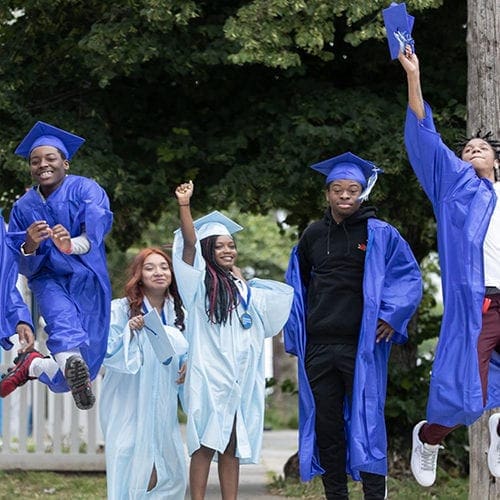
pixel 44 134
pixel 398 26
pixel 351 167
pixel 214 224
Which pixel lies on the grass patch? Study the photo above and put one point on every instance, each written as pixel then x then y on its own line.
pixel 54 485
pixel 398 489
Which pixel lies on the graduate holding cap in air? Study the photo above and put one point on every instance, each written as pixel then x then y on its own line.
pixel 61 223
pixel 228 321
pixel 463 188
pixel 357 285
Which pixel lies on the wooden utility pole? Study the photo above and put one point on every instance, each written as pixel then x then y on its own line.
pixel 483 112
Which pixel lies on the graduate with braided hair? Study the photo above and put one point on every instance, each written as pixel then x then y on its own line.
pixel 228 321
pixel 464 191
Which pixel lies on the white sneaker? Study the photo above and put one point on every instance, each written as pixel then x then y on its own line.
pixel 423 458
pixel 494 449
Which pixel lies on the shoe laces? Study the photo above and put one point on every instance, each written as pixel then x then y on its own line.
pixel 428 456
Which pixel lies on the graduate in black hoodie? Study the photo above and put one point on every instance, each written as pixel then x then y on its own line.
pixel 357 286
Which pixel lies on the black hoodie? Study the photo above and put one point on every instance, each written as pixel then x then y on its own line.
pixel 332 262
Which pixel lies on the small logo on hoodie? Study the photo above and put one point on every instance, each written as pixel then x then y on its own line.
pixel 362 247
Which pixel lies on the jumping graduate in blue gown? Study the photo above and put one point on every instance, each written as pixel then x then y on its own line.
pixel 465 380
pixel 65 219
pixel 15 317
pixel 228 321
pixel 357 285
pixel 138 405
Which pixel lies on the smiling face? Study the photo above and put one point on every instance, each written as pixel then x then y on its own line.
pixel 225 252
pixel 156 275
pixel 48 168
pixel 343 197
pixel 481 156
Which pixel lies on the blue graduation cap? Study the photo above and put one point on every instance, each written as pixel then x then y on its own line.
pixel 398 26
pixel 351 167
pixel 44 134
pixel 214 224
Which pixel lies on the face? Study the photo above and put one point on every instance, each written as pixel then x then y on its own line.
pixel 156 275
pixel 48 169
pixel 225 252
pixel 481 156
pixel 343 197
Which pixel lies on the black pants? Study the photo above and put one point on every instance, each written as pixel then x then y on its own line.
pixel 330 370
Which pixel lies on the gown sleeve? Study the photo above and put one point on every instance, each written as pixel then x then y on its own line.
pixel 123 353
pixel 438 169
pixel 274 303
pixel 402 290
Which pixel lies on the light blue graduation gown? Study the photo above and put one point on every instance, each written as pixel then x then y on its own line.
pixel 138 414
pixel 392 290
pixel 225 375
pixel 73 292
pixel 463 204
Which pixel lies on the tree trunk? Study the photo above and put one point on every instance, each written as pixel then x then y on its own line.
pixel 483 112
pixel 483 54
pixel 482 485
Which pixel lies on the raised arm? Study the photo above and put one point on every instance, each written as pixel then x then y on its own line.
pixel 183 194
pixel 409 61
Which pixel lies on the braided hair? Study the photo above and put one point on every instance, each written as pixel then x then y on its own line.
pixel 486 137
pixel 221 291
pixel 134 289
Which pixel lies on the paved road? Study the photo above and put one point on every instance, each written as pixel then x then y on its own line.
pixel 277 447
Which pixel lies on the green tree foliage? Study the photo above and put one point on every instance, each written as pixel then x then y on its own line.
pixel 278 33
pixel 168 90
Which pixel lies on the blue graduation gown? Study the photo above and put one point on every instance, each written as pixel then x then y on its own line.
pixel 73 292
pixel 138 414
pixel 392 290
pixel 463 204
pixel 12 307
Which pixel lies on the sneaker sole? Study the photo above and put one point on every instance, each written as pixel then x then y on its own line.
pixel 78 379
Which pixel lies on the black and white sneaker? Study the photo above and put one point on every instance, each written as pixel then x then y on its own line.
pixel 77 376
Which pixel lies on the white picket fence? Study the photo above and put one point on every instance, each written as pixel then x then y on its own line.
pixel 42 430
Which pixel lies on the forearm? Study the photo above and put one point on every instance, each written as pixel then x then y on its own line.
pixel 188 233
pixel 415 98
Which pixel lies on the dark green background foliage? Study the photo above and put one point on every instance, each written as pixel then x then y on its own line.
pixel 240 97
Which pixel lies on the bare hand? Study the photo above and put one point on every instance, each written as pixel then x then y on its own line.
pixel 26 337
pixel 136 323
pixel 35 234
pixel 182 374
pixel 184 193
pixel 61 238
pixel 409 60
pixel 384 331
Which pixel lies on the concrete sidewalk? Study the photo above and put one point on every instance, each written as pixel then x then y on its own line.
pixel 277 448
